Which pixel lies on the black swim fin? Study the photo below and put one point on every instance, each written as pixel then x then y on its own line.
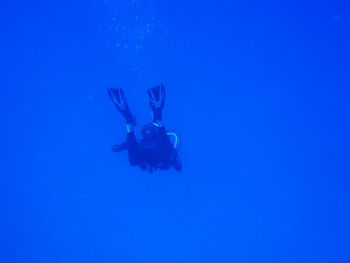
pixel 118 98
pixel 156 97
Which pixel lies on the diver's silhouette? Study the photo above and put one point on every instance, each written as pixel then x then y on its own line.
pixel 155 150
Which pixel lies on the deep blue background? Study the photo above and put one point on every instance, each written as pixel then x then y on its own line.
pixel 259 92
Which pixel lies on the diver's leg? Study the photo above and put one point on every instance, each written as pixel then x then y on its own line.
pixel 156 97
pixel 118 98
pixel 157 116
pixel 133 149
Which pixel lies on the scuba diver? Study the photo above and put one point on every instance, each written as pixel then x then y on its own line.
pixel 155 150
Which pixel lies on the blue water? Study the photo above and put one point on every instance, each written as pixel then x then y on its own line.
pixel 258 90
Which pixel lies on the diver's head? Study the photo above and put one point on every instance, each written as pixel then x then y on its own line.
pixel 149 132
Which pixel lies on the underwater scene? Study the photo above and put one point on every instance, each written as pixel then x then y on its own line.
pixel 175 131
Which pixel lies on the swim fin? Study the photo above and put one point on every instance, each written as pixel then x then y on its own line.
pixel 156 97
pixel 118 98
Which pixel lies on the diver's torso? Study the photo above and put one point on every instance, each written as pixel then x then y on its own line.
pixel 155 152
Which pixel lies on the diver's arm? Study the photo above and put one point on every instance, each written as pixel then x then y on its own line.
pixel 177 163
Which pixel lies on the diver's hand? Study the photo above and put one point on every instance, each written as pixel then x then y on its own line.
pixel 115 148
pixel 118 147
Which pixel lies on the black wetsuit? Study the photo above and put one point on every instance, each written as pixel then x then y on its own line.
pixel 155 152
